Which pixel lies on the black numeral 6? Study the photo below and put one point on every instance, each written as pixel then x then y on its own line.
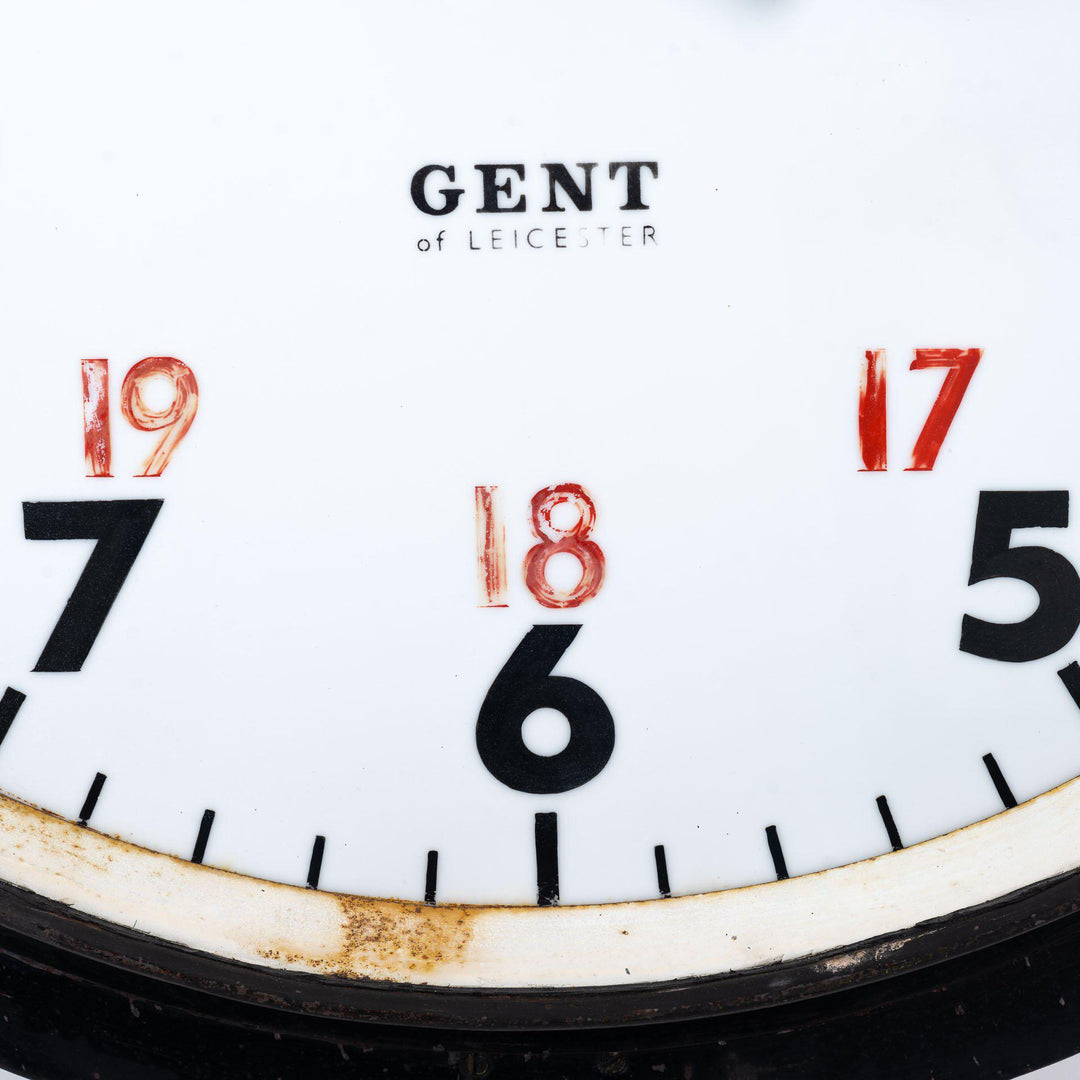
pixel 526 684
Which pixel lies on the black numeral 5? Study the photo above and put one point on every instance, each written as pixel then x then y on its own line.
pixel 1049 573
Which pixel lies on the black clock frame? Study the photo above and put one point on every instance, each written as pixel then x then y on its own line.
pixel 993 992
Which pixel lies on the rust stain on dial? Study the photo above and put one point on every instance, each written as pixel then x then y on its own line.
pixel 387 934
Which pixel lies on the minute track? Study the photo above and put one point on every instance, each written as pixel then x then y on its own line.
pixel 546 839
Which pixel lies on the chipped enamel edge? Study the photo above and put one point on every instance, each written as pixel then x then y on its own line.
pixel 449 945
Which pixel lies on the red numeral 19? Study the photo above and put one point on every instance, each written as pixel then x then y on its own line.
pixel 572 538
pixel 960 365
pixel 175 419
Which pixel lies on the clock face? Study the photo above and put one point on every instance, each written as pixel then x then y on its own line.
pixel 539 461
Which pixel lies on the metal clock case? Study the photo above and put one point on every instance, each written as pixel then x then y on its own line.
pixel 999 1011
pixel 540 563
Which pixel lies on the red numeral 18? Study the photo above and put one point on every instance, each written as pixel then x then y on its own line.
pixel 175 419
pixel 491 548
pixel 572 539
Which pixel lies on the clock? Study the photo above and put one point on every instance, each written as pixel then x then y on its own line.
pixel 539 539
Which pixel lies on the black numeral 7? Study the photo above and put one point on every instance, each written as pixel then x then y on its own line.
pixel 120 528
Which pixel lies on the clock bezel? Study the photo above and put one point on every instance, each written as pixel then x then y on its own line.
pixel 409 963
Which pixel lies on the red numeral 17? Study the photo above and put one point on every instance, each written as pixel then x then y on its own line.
pixel 960 365
pixel 174 419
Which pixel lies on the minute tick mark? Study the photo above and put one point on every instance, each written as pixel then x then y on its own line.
pixel 661 871
pixel 547 859
pixel 315 866
pixel 890 825
pixel 777 852
pixel 92 797
pixel 1003 789
pixel 432 877
pixel 10 704
pixel 1070 676
pixel 199 853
